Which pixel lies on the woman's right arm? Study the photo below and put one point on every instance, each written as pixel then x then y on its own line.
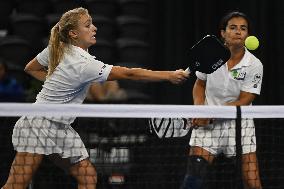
pixel 198 92
pixel 175 77
pixel 36 70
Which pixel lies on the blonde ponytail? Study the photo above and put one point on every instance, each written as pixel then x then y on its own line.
pixel 60 40
pixel 56 49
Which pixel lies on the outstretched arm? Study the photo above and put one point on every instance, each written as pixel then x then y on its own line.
pixel 175 77
pixel 35 69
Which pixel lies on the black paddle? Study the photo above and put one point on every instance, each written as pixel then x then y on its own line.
pixel 207 55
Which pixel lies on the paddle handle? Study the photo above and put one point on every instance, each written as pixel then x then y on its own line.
pixel 187 70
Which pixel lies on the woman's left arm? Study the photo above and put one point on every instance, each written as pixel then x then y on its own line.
pixel 251 86
pixel 245 98
pixel 36 70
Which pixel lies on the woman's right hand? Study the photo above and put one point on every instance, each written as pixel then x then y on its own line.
pixel 200 122
pixel 178 76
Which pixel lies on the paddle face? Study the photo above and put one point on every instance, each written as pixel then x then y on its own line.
pixel 208 54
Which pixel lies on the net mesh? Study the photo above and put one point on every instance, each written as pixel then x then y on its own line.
pixel 125 146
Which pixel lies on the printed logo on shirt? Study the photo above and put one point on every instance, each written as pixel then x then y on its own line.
pixel 238 74
pixel 102 69
pixel 256 80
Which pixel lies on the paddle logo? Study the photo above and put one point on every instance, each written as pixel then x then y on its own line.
pixel 217 64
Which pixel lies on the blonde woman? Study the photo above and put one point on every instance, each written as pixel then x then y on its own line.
pixel 71 70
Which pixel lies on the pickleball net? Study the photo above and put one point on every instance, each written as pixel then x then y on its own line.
pixel 146 146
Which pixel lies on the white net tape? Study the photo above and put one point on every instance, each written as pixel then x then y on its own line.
pixel 138 111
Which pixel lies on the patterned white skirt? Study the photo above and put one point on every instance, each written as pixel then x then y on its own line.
pixel 220 137
pixel 42 136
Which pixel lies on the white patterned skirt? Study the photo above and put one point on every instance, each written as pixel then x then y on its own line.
pixel 219 137
pixel 42 136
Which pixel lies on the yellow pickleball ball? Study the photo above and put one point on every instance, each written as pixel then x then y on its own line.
pixel 251 43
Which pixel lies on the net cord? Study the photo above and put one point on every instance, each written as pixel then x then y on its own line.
pixel 137 111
